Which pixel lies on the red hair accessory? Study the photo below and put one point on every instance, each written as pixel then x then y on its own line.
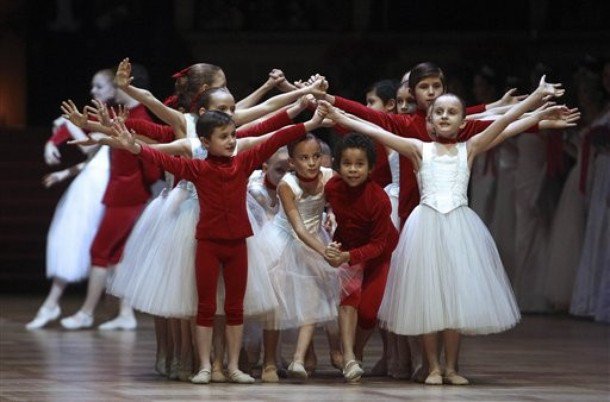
pixel 181 73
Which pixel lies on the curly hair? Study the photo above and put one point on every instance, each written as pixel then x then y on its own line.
pixel 355 141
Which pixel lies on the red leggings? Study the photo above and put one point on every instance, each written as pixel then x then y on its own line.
pixel 367 299
pixel 115 227
pixel 232 256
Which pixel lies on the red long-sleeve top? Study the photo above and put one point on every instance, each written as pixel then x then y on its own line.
pixel 221 183
pixel 364 226
pixel 408 126
pixel 130 178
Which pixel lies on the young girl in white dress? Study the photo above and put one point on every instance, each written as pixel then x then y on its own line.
pixel 446 275
pixel 306 286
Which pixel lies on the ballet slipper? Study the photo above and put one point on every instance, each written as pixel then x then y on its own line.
pixel 434 378
pixel 453 378
pixel 269 374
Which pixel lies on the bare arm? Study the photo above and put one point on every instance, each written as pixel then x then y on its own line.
pixel 170 116
pixel 294 217
pixel 481 142
pixel 256 96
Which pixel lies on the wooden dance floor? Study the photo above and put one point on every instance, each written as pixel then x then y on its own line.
pixel 545 358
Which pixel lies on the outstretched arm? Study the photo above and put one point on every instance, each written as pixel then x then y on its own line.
pixel 255 97
pixel 482 141
pixel 408 147
pixel 170 116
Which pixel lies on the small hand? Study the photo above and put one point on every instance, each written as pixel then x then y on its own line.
pixel 123 76
pixel 71 113
pixel 124 137
pixel 99 112
pixel 52 156
pixel 52 179
pixel 549 90
pixel 510 99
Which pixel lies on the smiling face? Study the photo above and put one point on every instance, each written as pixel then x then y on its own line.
pixel 354 167
pixel 427 90
pixel 307 158
pixel 222 141
pixel 447 116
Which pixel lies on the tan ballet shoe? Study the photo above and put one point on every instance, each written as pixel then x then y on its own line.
pixel 454 378
pixel 269 374
pixel 434 378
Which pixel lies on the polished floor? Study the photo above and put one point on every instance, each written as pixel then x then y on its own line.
pixel 545 358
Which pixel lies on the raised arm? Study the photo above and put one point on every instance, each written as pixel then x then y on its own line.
pixel 272 104
pixel 170 116
pixel 255 97
pixel 481 142
pixel 409 147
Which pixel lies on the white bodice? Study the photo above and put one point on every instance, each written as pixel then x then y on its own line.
pixel 443 176
pixel 256 187
pixel 310 207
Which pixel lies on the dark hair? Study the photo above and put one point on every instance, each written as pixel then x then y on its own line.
pixel 429 113
pixel 206 97
pixel 325 148
pixel 385 89
pixel 207 122
pixel 358 141
pixel 141 79
pixel 292 145
pixel 188 86
pixel 425 70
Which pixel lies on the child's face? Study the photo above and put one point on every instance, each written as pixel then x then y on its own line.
pixel 427 90
pixel 354 167
pixel 307 159
pixel 222 142
pixel 374 102
pixel 102 88
pixel 276 167
pixel 403 100
pixel 447 116
pixel 223 102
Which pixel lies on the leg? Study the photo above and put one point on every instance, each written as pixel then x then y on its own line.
pixel 174 366
pixel 186 351
pixel 297 368
pixel 270 344
pixel 95 287
pixel 334 342
pixel 235 274
pixel 125 320
pixel 161 325
pixel 218 342
pixel 381 367
pixel 430 342
pixel 49 310
pixel 348 319
pixel 451 341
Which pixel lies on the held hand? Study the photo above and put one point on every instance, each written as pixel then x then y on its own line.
pixel 510 99
pixel 317 89
pixel 52 156
pixel 71 113
pixel 123 76
pixel 93 139
pixel 99 112
pixel 52 179
pixel 559 117
pixel 125 138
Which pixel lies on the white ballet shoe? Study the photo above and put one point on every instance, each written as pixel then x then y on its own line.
pixel 297 370
pixel 454 378
pixel 239 377
pixel 434 378
pixel 202 377
pixel 120 322
pixel 352 371
pixel 80 320
pixel 161 366
pixel 43 317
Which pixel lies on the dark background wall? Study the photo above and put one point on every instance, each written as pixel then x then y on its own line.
pixel 50 49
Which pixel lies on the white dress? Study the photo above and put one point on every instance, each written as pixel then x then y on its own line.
pixel 393 189
pixel 446 272
pixel 76 220
pixel 306 286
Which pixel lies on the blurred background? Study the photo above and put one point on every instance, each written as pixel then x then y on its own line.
pixel 49 51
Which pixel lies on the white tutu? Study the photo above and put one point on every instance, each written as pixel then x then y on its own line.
pixel 306 286
pixel 259 299
pixel 76 220
pixel 446 274
pixel 158 275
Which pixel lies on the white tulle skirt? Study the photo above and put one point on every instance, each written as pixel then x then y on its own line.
pixel 446 274
pixel 76 220
pixel 307 288
pixel 157 273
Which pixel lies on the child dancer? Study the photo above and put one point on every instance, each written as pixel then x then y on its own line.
pixel 305 284
pixel 220 181
pixel 446 275
pixel 364 239
pixel 79 210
